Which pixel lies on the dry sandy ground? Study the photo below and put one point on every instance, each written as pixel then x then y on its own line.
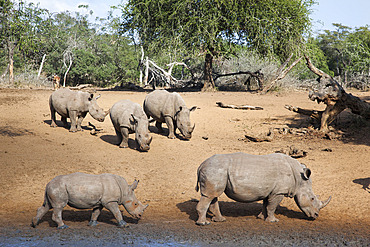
pixel 32 153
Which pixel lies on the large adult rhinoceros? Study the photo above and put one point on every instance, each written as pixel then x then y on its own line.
pixel 74 105
pixel 248 178
pixel 170 108
pixel 127 118
pixel 83 191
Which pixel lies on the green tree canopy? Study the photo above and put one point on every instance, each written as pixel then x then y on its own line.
pixel 215 27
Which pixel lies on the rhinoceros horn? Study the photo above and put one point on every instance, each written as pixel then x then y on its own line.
pixel 192 128
pixel 151 138
pixel 323 204
pixel 107 112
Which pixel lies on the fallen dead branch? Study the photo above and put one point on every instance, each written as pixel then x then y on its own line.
pixel 242 107
pixel 94 130
pixel 335 97
pixel 79 87
pixel 311 113
pixel 260 138
pixel 293 152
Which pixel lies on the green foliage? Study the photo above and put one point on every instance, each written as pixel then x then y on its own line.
pixel 272 27
pixel 348 52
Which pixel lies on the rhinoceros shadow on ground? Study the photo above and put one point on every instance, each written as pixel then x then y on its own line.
pixel 60 124
pixel 113 139
pixel 165 132
pixel 237 209
pixel 365 182
pixel 83 217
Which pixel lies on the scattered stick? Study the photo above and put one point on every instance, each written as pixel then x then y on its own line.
pixel 293 152
pixel 262 138
pixel 312 113
pixel 94 130
pixel 82 86
pixel 242 107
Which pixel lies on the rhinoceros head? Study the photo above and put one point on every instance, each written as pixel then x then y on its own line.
pixel 182 117
pixel 95 111
pixel 306 200
pixel 133 206
pixel 142 136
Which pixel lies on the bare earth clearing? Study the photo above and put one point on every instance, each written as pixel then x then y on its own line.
pixel 32 153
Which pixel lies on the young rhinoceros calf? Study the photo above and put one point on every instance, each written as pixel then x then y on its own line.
pixel 83 191
pixel 127 118
pixel 74 105
pixel 248 178
pixel 167 107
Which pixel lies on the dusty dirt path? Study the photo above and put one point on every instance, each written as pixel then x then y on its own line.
pixel 32 153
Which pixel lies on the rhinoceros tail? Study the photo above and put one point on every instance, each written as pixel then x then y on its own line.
pixel 197 186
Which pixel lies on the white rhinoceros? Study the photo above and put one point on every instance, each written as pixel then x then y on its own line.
pixel 170 108
pixel 83 191
pixel 74 105
pixel 248 178
pixel 127 118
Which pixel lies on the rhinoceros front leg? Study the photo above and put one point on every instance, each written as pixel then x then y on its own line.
pixel 215 210
pixel 114 208
pixel 263 214
pixel 79 121
pixel 73 117
pixel 272 203
pixel 159 126
pixel 124 139
pixel 171 128
pixel 64 120
pixel 202 208
pixel 94 216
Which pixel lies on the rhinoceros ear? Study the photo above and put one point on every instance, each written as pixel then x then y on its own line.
pixel 306 173
pixel 133 186
pixel 133 117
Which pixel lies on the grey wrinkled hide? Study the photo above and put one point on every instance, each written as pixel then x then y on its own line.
pixel 127 118
pixel 248 178
pixel 74 105
pixel 83 191
pixel 170 108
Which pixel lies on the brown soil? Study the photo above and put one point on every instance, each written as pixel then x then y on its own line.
pixel 32 153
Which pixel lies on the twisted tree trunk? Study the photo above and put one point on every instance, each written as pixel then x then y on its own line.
pixel 335 97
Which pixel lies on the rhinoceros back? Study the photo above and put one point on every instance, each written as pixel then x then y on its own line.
pixel 247 177
pixel 120 113
pixel 64 100
pixel 82 191
pixel 158 104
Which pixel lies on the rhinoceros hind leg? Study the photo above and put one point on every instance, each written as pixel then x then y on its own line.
pixel 94 216
pixel 41 211
pixel 202 208
pixel 215 209
pixel 57 217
